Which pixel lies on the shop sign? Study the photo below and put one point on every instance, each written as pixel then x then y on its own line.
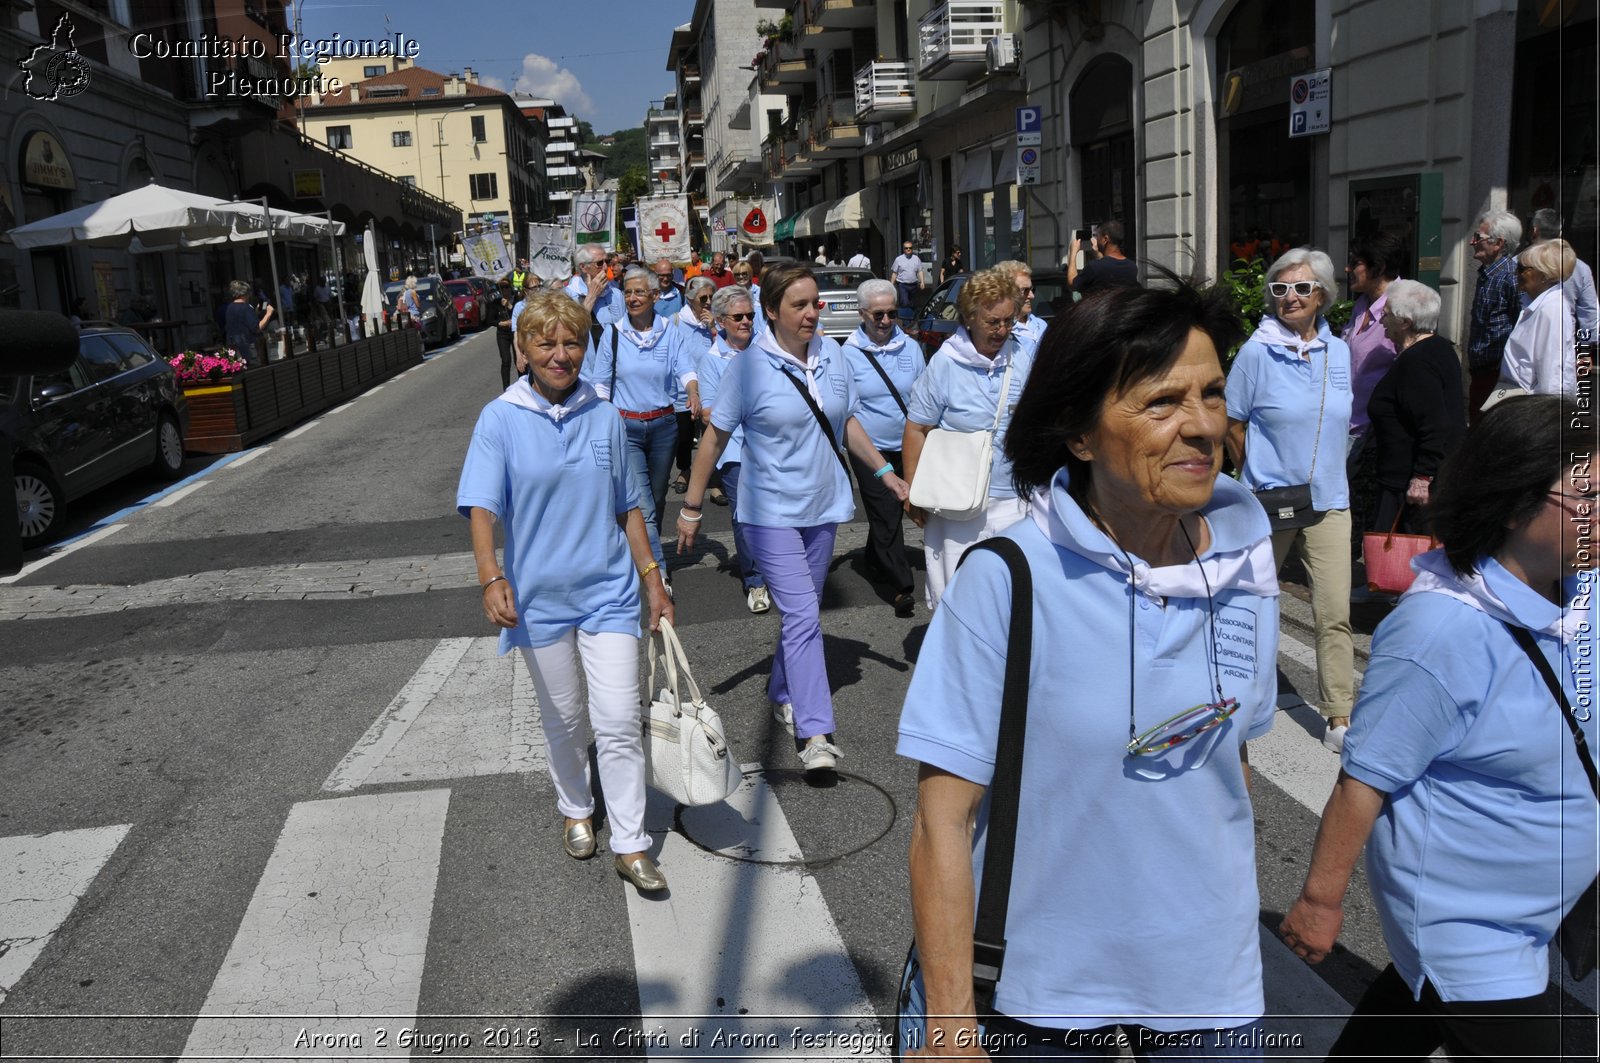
pixel 308 184
pixel 900 159
pixel 45 163
pixel 1309 97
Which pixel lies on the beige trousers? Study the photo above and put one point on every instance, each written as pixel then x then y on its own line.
pixel 1325 549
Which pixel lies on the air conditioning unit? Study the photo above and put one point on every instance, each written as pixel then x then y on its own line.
pixel 1002 52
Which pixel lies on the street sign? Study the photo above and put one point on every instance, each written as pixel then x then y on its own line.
pixel 1028 166
pixel 1030 126
pixel 1309 98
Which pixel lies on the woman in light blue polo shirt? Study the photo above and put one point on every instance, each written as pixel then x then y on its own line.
pixel 1289 403
pixel 546 462
pixel 696 329
pixel 792 394
pixel 1133 898
pixel 636 365
pixel 886 364
pixel 961 392
pixel 1459 754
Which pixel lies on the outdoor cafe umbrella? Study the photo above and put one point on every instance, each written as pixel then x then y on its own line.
pixel 143 219
pixel 372 289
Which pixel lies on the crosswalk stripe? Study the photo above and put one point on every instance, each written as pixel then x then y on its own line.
pixel 338 926
pixel 742 954
pixel 465 712
pixel 43 877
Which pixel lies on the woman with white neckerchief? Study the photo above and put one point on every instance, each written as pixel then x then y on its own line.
pixel 695 328
pixel 886 364
pixel 634 367
pixel 971 385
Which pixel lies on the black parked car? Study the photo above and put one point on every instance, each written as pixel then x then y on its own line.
pixel 937 318
pixel 117 409
pixel 440 322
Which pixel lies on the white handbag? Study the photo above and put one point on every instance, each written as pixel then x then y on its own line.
pixel 686 754
pixel 952 477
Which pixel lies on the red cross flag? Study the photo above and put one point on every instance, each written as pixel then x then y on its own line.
pixel 664 228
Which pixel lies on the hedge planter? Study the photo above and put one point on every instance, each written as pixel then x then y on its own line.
pixel 235 412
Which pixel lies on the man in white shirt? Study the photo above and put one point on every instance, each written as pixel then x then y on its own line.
pixel 859 260
pixel 589 286
pixel 906 272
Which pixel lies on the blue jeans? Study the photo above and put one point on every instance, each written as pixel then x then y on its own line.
pixel 747 564
pixel 650 447
pixel 1016 1040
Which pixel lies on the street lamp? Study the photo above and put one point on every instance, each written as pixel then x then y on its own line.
pixel 439 139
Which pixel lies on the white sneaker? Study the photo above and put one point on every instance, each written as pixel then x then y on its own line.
pixel 783 712
pixel 758 599
pixel 1333 738
pixel 819 754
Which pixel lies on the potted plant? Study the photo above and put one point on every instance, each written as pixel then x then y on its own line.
pixel 195 368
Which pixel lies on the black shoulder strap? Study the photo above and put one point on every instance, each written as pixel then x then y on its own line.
pixel 613 384
pixel 1005 789
pixel 1529 647
pixel 822 420
pixel 873 361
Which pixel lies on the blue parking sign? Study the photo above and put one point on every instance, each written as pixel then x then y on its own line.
pixel 1028 119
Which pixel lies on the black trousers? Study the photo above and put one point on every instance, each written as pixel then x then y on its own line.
pixel 688 434
pixel 1387 1023
pixel 886 539
pixel 502 337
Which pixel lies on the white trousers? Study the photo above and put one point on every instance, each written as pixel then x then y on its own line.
pixel 945 540
pixel 611 669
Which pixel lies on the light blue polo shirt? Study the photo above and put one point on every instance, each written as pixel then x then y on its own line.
pixel 647 373
pixel 1133 899
pixel 1028 333
pixel 902 360
pixel 1489 832
pixel 1277 394
pixel 610 306
pixel 669 304
pixel 558 486
pixel 790 476
pixel 694 341
pixel 959 391
pixel 711 367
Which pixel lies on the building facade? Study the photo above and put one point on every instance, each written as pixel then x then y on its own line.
pixel 566 166
pixel 664 146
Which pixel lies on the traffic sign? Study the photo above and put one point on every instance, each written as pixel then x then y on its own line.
pixel 1030 126
pixel 1028 166
pixel 1310 98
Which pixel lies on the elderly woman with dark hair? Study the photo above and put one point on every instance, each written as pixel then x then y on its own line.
pixel 1289 403
pixel 1460 754
pixel 1375 261
pixel 1152 589
pixel 971 386
pixel 1417 408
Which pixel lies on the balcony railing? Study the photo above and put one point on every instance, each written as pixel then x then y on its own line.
pixel 840 14
pixel 662 114
pixel 785 65
pixel 886 87
pixel 833 125
pixel 952 37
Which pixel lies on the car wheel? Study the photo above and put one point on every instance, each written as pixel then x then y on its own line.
pixel 168 462
pixel 40 503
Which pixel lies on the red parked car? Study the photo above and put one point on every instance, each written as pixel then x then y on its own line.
pixel 471 306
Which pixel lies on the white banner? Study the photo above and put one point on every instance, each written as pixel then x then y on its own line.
pixel 664 228
pixel 487 255
pixel 755 222
pixel 593 218
pixel 550 251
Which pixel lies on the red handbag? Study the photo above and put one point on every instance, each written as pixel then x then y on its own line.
pixel 1388 555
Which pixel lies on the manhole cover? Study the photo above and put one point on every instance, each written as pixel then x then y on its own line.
pixel 778 819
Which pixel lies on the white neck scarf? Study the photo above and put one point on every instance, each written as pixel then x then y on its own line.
pixel 961 348
pixel 1435 576
pixel 521 393
pixel 768 342
pixel 644 340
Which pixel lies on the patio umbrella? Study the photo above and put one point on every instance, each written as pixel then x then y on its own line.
pixel 142 219
pixel 372 290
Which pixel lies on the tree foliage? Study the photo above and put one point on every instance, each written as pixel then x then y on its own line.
pixel 627 153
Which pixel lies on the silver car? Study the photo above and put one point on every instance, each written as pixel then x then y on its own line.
pixel 836 288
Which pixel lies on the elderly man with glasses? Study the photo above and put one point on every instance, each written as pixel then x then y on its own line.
pixel 906 272
pixel 1495 304
pixel 590 288
pixel 669 299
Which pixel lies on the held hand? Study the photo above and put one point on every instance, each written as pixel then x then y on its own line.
pixel 1417 491
pixel 660 602
pixel 918 515
pixel 687 530
pixel 1310 929
pixel 897 487
pixel 695 409
pixel 499 605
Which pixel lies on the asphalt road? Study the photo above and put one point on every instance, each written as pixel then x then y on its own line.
pixel 259 764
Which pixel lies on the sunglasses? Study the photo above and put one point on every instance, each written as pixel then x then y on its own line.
pixel 740 317
pixel 1026 291
pixel 1480 238
pixel 1301 288
pixel 879 315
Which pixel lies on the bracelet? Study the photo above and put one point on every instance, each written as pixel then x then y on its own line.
pixel 887 468
pixel 492 582
pixel 696 508
pixel 651 567
pixel 684 516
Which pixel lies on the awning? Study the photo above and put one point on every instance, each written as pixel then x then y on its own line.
pixel 784 230
pixel 1007 173
pixel 852 211
pixel 976 174
pixel 810 221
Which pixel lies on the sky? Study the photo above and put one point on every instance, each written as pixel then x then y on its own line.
pixel 604 60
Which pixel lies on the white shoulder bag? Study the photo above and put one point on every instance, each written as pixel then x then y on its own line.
pixel 686 755
pixel 953 472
